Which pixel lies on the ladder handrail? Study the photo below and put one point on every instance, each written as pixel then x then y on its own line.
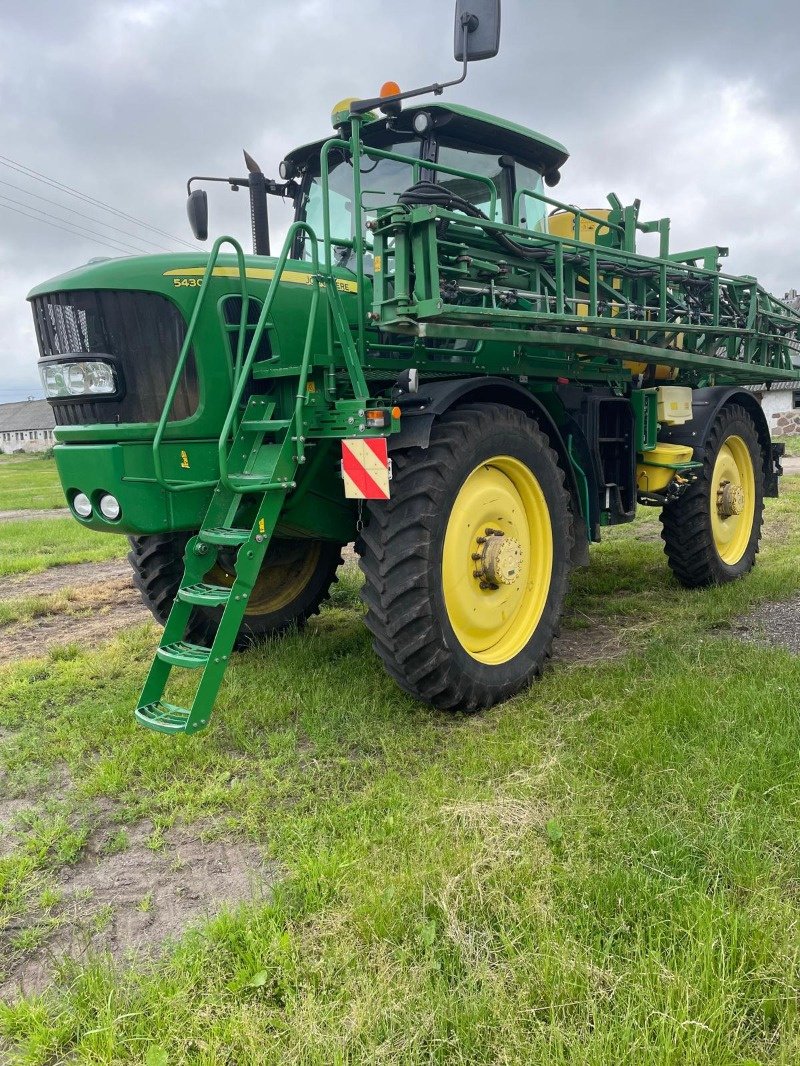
pixel 183 486
pixel 266 308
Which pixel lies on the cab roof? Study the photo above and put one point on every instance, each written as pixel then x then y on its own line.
pixel 461 124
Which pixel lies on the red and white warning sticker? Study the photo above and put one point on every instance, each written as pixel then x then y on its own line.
pixel 365 468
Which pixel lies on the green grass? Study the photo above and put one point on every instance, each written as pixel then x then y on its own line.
pixel 792 445
pixel 34 545
pixel 29 481
pixel 604 870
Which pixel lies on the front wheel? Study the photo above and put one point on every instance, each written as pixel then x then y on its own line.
pixel 466 566
pixel 294 581
pixel 712 532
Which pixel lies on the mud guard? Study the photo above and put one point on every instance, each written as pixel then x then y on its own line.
pixel 434 398
pixel 706 405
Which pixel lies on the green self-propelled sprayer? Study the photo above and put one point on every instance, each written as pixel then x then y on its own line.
pixel 444 363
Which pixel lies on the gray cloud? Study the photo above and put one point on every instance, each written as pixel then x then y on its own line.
pixel 691 106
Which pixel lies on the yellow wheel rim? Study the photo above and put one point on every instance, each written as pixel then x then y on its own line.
pixel 733 500
pixel 277 584
pixel 497 560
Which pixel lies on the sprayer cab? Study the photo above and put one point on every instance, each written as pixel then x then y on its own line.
pixel 476 37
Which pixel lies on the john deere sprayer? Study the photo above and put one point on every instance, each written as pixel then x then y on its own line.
pixel 444 364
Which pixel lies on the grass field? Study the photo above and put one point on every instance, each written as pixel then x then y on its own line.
pixel 792 445
pixel 31 546
pixel 604 870
pixel 29 481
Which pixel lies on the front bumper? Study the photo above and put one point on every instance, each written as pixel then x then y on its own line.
pixel 126 472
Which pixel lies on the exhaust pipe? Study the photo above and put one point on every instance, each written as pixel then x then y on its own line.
pixel 259 217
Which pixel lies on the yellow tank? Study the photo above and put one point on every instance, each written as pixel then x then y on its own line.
pixel 562 224
pixel 657 467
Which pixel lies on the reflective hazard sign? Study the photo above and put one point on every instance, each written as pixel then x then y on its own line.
pixel 365 469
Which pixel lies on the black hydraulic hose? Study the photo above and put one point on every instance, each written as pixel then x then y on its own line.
pixel 429 194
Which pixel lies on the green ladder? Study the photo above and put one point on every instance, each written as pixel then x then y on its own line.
pixel 256 467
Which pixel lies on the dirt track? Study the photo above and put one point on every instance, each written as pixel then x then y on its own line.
pixel 84 603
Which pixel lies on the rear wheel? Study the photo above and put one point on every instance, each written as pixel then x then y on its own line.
pixel 467 564
pixel 295 579
pixel 712 532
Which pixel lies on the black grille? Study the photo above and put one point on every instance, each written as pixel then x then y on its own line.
pixel 143 330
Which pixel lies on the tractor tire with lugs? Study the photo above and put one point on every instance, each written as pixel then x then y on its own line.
pixel 466 565
pixel 294 581
pixel 711 533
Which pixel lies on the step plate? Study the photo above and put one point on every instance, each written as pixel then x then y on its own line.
pixel 182 653
pixel 164 717
pixel 224 536
pixel 205 595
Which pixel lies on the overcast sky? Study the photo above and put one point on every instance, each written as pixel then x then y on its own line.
pixel 691 105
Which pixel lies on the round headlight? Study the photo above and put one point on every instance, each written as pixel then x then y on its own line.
pixel 109 507
pixel 82 505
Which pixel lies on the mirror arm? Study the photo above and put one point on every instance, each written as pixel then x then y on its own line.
pixel 233 182
pixel 274 188
pixel 360 107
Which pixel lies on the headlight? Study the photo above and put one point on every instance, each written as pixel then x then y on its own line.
pixel 82 505
pixel 109 507
pixel 89 378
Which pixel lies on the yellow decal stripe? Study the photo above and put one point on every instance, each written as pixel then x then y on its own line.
pixel 293 277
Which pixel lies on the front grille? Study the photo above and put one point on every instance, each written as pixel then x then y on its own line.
pixel 142 330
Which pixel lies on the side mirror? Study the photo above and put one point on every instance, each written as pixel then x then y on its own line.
pixel 481 19
pixel 197 210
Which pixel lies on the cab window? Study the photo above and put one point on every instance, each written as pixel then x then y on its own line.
pixel 532 212
pixel 484 164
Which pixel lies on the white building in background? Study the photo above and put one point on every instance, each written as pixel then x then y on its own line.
pixel 26 426
pixel 781 401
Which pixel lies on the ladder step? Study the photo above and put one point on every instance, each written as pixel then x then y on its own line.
pixel 265 425
pixel 181 653
pixel 165 717
pixel 205 595
pixel 224 536
pixel 255 483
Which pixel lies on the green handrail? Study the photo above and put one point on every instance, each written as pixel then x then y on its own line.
pixel 266 308
pixel 185 486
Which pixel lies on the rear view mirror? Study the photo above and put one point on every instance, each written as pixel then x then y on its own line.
pixel 197 210
pixel 482 21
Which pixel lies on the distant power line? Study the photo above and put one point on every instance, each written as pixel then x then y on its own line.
pixel 91 218
pixel 6 161
pixel 77 226
pixel 65 228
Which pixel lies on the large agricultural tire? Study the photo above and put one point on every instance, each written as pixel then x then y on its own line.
pixel 712 532
pixel 466 565
pixel 295 579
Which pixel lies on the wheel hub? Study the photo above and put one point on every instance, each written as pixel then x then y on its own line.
pixel 730 499
pixel 498 561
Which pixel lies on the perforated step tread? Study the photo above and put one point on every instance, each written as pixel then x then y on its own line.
pixel 205 594
pixel 182 653
pixel 224 536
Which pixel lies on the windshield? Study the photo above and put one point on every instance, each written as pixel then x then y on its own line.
pixel 382 181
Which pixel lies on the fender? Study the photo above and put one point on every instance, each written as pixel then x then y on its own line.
pixel 434 398
pixel 706 405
